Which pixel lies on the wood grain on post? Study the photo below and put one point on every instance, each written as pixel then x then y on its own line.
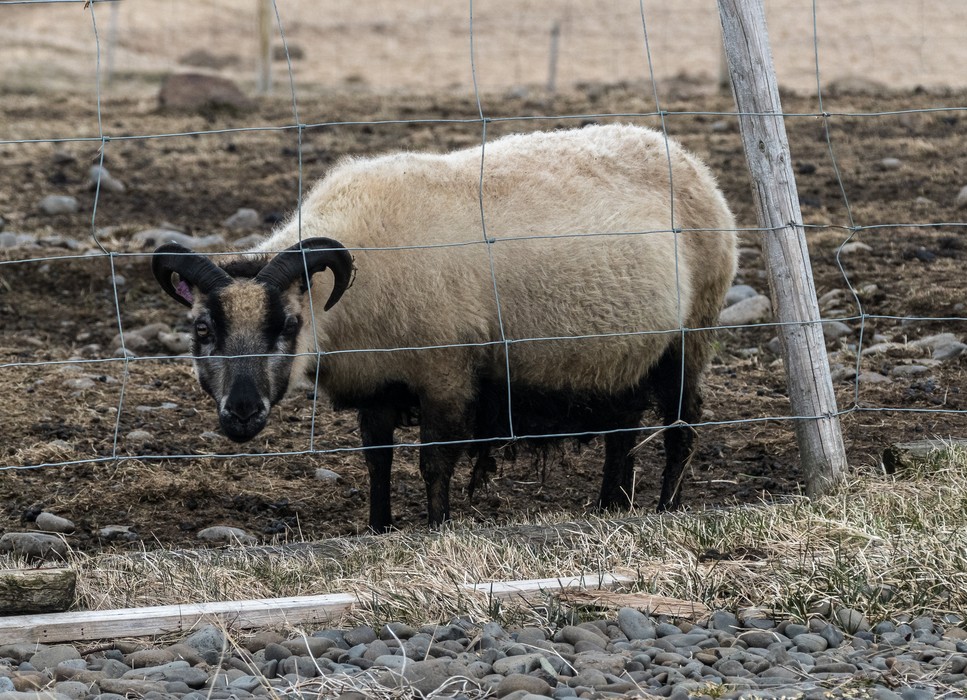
pixel 265 46
pixel 783 243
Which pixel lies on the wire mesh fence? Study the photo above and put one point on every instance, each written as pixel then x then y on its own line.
pixel 878 170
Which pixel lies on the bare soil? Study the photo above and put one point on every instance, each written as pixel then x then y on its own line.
pixel 167 486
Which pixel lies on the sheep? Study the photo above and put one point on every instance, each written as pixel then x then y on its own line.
pixel 545 264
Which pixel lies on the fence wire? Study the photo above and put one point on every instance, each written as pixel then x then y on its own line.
pixel 298 130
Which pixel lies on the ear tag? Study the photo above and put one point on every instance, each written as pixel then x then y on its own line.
pixel 184 291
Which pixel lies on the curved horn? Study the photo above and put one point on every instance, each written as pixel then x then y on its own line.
pixel 320 253
pixel 194 269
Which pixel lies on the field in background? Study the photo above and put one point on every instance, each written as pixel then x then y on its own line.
pixel 391 45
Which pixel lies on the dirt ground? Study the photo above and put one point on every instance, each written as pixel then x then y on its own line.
pixel 54 305
pixel 393 46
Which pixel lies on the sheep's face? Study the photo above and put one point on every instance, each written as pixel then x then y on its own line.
pixel 246 321
pixel 244 342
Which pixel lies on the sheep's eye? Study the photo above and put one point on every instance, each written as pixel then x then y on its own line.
pixel 292 325
pixel 203 332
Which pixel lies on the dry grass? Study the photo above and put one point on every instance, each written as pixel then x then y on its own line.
pixel 883 545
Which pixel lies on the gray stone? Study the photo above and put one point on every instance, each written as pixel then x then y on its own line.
pixel 197 92
pixel 960 201
pixel 635 624
pixel 949 351
pixel 138 436
pixel 118 533
pixel 666 629
pixel 48 658
pixel 572 635
pixel 209 642
pixel 98 175
pixel 246 683
pixel 360 635
pixel 34 545
pixel 832 636
pixel 190 654
pixel 521 682
pixel 80 383
pixel 396 630
pixel 523 663
pixel 739 292
pixel 834 667
pixel 600 661
pixel 881 693
pixel 810 643
pixel 748 311
pixel 176 343
pixel 917 694
pixel 243 219
pixel 225 533
pixel 851 620
pixel 54 204
pixel 834 330
pixel 725 622
pixel 54 523
pixel 932 342
pixel 300 666
pixel 145 658
pixel 909 370
pixel 327 476
pixel 130 687
pixel 762 639
pixel 152 238
pixel 391 661
pixel 34 695
pixel 276 652
pixel 423 676
pixel 890 164
pixel 854 247
pixel 309 646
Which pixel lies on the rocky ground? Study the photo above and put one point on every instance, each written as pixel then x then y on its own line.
pixel 627 655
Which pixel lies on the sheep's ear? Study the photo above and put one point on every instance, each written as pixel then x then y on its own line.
pixel 300 262
pixel 195 272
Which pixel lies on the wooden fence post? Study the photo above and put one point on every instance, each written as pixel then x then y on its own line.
pixel 783 243
pixel 265 47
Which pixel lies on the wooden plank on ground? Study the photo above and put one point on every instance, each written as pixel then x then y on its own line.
pixel 647 603
pixel 532 588
pixel 903 456
pixel 167 619
pixel 36 590
pixel 243 614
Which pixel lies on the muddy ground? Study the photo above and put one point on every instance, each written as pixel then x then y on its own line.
pixel 55 309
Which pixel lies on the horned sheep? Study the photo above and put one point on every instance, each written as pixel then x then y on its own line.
pixel 546 283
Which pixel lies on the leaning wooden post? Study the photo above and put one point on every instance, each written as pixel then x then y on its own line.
pixel 264 85
pixel 783 243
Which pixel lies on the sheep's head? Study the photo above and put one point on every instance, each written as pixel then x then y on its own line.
pixel 247 315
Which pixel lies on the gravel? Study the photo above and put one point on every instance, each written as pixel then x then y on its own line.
pixel 627 655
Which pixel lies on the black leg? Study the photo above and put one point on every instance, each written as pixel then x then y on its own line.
pixel 440 424
pixel 678 402
pixel 619 465
pixel 484 467
pixel 376 427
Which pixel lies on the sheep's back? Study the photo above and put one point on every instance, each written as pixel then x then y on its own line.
pixel 573 238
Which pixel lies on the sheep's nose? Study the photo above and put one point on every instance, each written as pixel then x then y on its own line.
pixel 244 410
pixel 243 401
